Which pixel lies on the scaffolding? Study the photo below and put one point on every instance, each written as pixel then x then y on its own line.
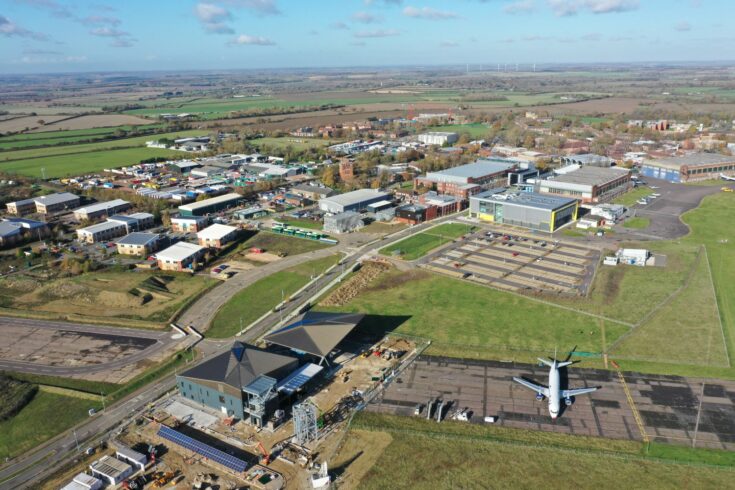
pixel 305 416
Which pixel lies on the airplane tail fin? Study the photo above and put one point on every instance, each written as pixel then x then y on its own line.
pixel 546 361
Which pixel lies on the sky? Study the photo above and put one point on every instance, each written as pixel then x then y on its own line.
pixel 38 36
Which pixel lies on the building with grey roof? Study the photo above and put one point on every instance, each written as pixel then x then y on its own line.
pixel 588 160
pixel 133 222
pixel 211 205
pixel 101 232
pixel 438 138
pixel 352 201
pixel 589 184
pixel 465 180
pixel 54 203
pixel 242 382
pixel 526 209
pixel 138 243
pixel 689 168
pixel 97 210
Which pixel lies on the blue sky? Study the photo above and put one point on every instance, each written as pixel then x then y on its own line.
pixel 94 35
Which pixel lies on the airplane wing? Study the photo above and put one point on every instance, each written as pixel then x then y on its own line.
pixel 537 388
pixel 578 391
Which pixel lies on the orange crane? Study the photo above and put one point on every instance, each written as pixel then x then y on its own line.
pixel 266 454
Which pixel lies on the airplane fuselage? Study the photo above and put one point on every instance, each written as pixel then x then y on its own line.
pixel 554 391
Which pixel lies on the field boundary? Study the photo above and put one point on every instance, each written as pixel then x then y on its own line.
pixel 717 306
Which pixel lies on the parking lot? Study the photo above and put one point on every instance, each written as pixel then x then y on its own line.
pixel 695 412
pixel 518 261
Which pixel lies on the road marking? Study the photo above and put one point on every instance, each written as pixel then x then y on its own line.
pixel 631 403
pixel 699 413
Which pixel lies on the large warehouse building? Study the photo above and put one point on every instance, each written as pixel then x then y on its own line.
pixel 589 184
pixel 208 206
pixel 356 201
pixel 526 209
pixel 465 180
pixel 689 168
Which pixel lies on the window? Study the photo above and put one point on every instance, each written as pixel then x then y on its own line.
pixel 221 399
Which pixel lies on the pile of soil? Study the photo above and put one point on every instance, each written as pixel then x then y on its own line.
pixel 369 272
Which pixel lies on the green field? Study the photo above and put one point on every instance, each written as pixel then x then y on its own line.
pixel 475 130
pixel 456 455
pixel 637 223
pixel 467 320
pixel 290 141
pixel 45 416
pixel 416 246
pixel 257 299
pixel 629 198
pixel 302 223
pixel 53 138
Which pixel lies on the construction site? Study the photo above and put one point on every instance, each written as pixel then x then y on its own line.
pixel 518 262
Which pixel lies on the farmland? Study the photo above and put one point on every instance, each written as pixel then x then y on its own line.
pixel 257 299
pixel 462 456
pixel 475 130
pixel 420 244
pixel 55 138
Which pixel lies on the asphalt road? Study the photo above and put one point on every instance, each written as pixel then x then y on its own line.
pixel 28 470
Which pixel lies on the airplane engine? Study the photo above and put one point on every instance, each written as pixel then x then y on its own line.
pixel 568 401
pixel 539 397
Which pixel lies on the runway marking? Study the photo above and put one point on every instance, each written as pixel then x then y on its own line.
pixel 633 408
pixel 699 414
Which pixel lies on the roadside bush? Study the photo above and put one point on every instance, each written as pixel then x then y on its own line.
pixel 14 395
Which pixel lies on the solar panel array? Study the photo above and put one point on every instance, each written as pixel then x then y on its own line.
pixel 231 462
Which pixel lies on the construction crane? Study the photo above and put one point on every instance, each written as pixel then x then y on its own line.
pixel 266 454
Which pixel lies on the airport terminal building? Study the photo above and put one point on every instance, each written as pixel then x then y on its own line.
pixel 526 209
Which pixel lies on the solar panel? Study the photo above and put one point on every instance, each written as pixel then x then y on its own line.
pixel 299 378
pixel 231 462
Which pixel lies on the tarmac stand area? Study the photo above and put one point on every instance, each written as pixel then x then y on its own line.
pixel 517 262
pixel 694 412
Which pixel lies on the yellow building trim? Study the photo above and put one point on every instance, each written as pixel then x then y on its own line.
pixel 486 217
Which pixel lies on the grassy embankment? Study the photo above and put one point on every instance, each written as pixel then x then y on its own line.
pixel 416 246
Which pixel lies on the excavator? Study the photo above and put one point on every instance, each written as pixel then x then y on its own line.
pixel 266 454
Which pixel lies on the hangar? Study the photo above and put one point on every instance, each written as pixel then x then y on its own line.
pixel 526 209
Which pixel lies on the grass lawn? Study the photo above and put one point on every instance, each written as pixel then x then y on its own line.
pixel 302 223
pixel 629 198
pixel 281 244
pixel 45 416
pixel 255 300
pixel 468 320
pixel 54 138
pixel 82 163
pixel 416 246
pixel 475 130
pixel 637 223
pixel 470 456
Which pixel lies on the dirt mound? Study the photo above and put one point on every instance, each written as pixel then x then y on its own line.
pixel 20 284
pixel 115 299
pixel 356 284
pixel 262 257
pixel 66 290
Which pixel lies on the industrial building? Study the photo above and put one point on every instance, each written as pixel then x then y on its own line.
pixel 217 235
pixel 313 192
pixel 352 201
pixel 83 481
pixel 526 209
pixel 209 206
pixel 191 224
pixel 101 232
pixel 588 160
pixel 133 458
pixel 413 214
pixel 689 168
pixel 51 203
pixel 343 222
pixel 111 470
pixel 133 222
pixel 18 230
pixel 100 209
pixel 138 243
pixel 609 212
pixel 179 257
pixel 469 179
pixel 589 184
pixel 438 138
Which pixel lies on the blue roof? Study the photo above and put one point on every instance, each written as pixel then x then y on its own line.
pixel 299 378
pixel 26 223
pixel 260 385
pixel 209 452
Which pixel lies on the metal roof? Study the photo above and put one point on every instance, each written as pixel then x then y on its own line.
pixel 138 238
pixel 216 232
pixel 9 229
pixel 299 378
pixel 480 168
pixel 102 206
pixel 179 251
pixel 58 198
pixel 226 198
pixel 356 197
pixel 240 366
pixel 693 160
pixel 109 466
pixel 316 333
pixel 104 226
pixel 591 176
pixel 30 224
pixel 527 199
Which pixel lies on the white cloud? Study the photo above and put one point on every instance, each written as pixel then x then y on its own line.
pixel 378 33
pixel 428 13
pixel 339 25
pixel 108 32
pixel 519 7
pixel 100 20
pixel 213 18
pixel 563 8
pixel 9 28
pixel 367 18
pixel 245 39
pixel 683 26
pixel 259 7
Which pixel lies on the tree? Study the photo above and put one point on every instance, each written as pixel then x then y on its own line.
pixel 329 176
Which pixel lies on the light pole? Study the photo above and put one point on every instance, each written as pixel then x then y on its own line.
pixel 75 439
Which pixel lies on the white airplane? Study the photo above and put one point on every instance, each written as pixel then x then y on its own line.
pixel 726 177
pixel 553 392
